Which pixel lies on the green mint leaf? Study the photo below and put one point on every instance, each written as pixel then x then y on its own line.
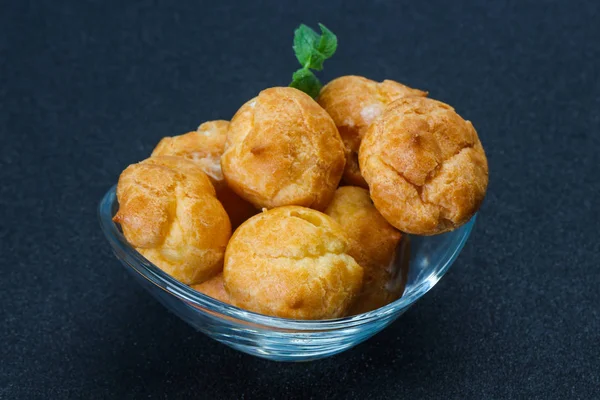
pixel 316 60
pixel 306 81
pixel 311 50
pixel 305 40
pixel 328 42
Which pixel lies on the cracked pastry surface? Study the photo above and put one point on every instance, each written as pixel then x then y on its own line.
pixel 425 166
pixel 204 147
pixel 283 149
pixel 215 288
pixel 169 212
pixel 373 243
pixel 292 262
pixel 354 102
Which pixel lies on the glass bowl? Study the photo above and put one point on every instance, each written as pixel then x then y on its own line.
pixel 278 338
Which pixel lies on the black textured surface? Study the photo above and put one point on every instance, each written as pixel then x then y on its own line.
pixel 88 87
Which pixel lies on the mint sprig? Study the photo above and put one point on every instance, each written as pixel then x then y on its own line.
pixel 311 50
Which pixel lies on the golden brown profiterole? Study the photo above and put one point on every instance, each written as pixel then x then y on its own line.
pixel 292 262
pixel 169 212
pixel 204 147
pixel 283 149
pixel 354 102
pixel 373 243
pixel 215 288
pixel 425 166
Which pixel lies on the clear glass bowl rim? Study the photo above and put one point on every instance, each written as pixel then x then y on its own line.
pixel 185 293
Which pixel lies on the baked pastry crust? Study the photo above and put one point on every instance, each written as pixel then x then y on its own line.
pixel 168 211
pixel 283 149
pixel 215 288
pixel 425 166
pixel 373 243
pixel 354 102
pixel 292 262
pixel 204 147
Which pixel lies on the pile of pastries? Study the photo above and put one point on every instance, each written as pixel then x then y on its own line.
pixel 295 207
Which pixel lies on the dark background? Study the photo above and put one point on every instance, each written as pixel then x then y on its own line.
pixel 88 87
